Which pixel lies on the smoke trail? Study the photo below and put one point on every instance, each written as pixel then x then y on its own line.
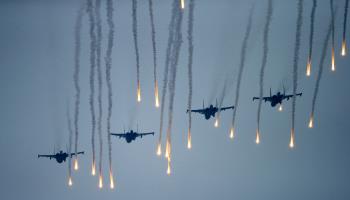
pixel 165 80
pixel 99 79
pixel 319 75
pixel 344 27
pixel 241 67
pixel 108 60
pixel 173 69
pixel 333 45
pixel 77 33
pixel 264 59
pixel 295 65
pixel 311 37
pixel 150 2
pixel 134 30
pixel 70 131
pixel 190 62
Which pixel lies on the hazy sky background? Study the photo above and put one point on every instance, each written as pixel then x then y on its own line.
pixel 36 81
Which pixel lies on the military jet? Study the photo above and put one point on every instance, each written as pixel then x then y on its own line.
pixel 210 111
pixel 131 135
pixel 277 98
pixel 60 156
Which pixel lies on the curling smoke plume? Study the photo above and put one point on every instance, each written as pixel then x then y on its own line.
pixel 156 94
pixel 77 33
pixel 264 62
pixel 99 78
pixel 295 63
pixel 108 60
pixel 319 75
pixel 311 37
pixel 165 81
pixel 241 68
pixel 134 31
pixel 190 62
pixel 344 50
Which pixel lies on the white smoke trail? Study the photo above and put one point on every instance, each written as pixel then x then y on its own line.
pixel 264 58
pixel 311 37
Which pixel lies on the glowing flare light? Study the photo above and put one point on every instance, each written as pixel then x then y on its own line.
pixel 308 68
pixel 333 60
pixel 311 122
pixel 93 169
pixel 216 124
pixel 280 108
pixel 111 180
pixel 70 182
pixel 156 96
pixel 100 182
pixel 159 150
pixel 257 139
pixel 168 171
pixel 232 133
pixel 291 143
pixel 189 140
pixel 76 165
pixel 343 48
pixel 182 4
pixel 138 93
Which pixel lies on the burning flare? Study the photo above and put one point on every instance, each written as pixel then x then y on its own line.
pixel 138 93
pixel 111 180
pixel 93 170
pixel 308 68
pixel 168 171
pixel 156 95
pixel 100 182
pixel 70 182
pixel 76 165
pixel 291 143
pixel 333 60
pixel 182 4
pixel 167 150
pixel 159 150
pixel 343 48
pixel 257 139
pixel 280 108
pixel 232 133
pixel 216 124
pixel 189 140
pixel 311 122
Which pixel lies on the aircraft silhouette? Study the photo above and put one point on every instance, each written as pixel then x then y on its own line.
pixel 131 135
pixel 60 156
pixel 210 111
pixel 277 98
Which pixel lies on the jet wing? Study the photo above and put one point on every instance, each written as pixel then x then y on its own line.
pixel 120 135
pixel 80 152
pixel 143 134
pixel 226 108
pixel 46 156
pixel 197 111
pixel 264 98
pixel 290 96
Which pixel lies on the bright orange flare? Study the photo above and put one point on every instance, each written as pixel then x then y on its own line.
pixel 182 4
pixel 343 48
pixel 167 150
pixel 311 122
pixel 333 60
pixel 76 165
pixel 280 108
pixel 168 171
pixel 93 169
pixel 257 139
pixel 308 68
pixel 100 182
pixel 111 180
pixel 70 182
pixel 189 140
pixel 159 150
pixel 232 133
pixel 138 93
pixel 156 95
pixel 291 143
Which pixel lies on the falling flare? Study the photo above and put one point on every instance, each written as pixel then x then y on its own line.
pixel 291 143
pixel 189 140
pixel 168 171
pixel 167 150
pixel 311 122
pixel 280 108
pixel 70 182
pixel 257 140
pixel 343 48
pixel 216 124
pixel 182 4
pixel 159 150
pixel 76 165
pixel 138 93
pixel 308 68
pixel 93 170
pixel 100 182
pixel 232 133
pixel 111 180
pixel 333 60
pixel 156 95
